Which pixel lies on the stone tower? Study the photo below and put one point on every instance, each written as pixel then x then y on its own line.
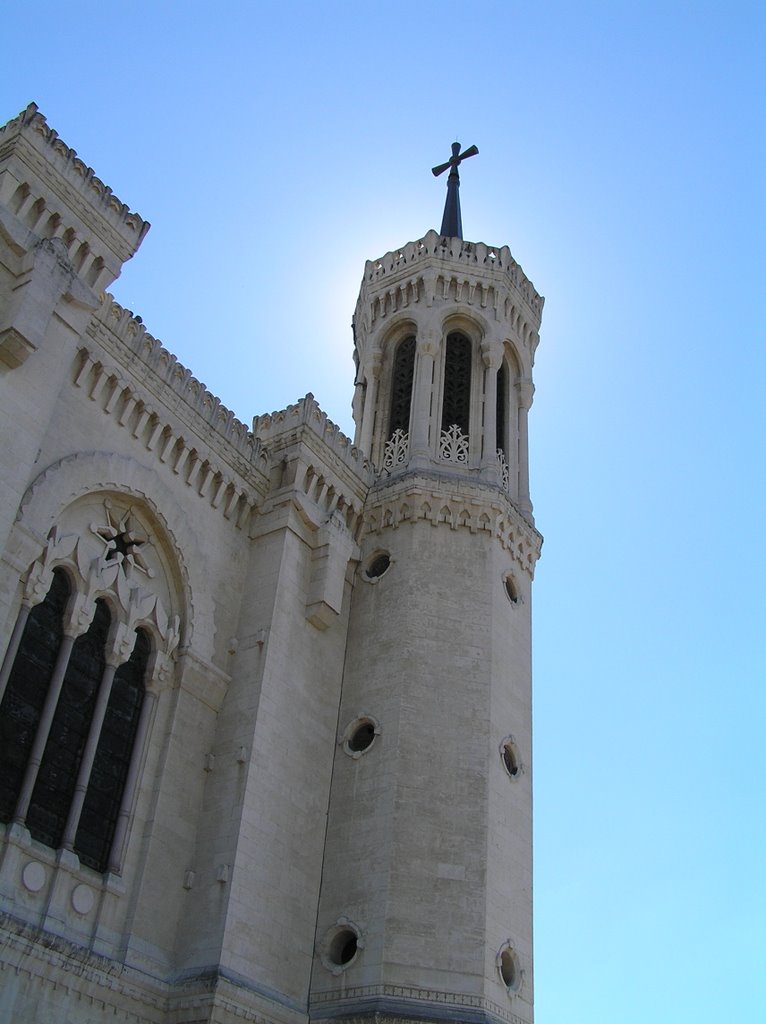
pixel 426 900
pixel 264 692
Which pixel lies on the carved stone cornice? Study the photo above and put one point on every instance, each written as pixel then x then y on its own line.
pixel 454 503
pixel 403 1004
pixel 28 143
pixel 449 272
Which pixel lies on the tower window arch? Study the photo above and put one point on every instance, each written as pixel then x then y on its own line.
pixel 456 404
pixel 501 418
pixel 401 386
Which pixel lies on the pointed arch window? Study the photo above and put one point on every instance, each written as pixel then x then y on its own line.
pixel 70 727
pixel 28 683
pixel 111 764
pixel 456 405
pixel 501 418
pixel 401 386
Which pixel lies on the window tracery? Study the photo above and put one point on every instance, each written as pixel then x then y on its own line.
pixel 93 638
pixel 456 400
pixel 401 386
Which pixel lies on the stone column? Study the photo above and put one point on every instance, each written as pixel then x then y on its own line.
pixel 114 658
pixel 13 647
pixel 427 348
pixel 370 402
pixel 526 390
pixel 131 781
pixel 44 727
pixel 77 621
pixel 492 356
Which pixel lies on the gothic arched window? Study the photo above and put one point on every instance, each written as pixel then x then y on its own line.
pixel 101 807
pixel 68 724
pixel 501 442
pixel 28 683
pixel 456 405
pixel 56 776
pixel 401 386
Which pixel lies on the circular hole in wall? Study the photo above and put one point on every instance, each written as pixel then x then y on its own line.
pixel 343 947
pixel 361 736
pixel 379 565
pixel 509 969
pixel 510 755
pixel 510 760
pixel 511 590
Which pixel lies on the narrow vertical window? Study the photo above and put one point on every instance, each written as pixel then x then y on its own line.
pixel 401 387
pixel 110 766
pixel 27 686
pixel 456 407
pixel 56 778
pixel 502 409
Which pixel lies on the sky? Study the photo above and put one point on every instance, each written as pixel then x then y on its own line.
pixel 276 147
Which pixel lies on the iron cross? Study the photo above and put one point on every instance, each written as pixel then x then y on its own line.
pixel 452 221
pixel 455 160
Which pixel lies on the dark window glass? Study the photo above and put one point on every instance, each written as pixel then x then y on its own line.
pixel 27 686
pixel 502 406
pixel 401 386
pixel 110 767
pixel 56 778
pixel 456 407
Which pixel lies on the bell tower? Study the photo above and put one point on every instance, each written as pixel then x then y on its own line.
pixel 426 898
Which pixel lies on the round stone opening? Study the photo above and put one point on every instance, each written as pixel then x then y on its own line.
pixel 343 947
pixel 361 736
pixel 508 970
pixel 510 759
pixel 379 565
pixel 510 589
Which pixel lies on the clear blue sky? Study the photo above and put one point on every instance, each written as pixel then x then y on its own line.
pixel 275 147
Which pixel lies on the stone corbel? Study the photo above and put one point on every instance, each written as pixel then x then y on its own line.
pixel 525 390
pixel 492 353
pixel 46 277
pixel 335 547
pixel 429 341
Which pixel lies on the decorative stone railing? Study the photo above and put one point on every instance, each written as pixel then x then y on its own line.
pixel 396 450
pixel 453 445
pixel 505 473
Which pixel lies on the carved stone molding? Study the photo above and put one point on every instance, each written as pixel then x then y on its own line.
pixel 60 485
pixel 477 508
pixel 388 1003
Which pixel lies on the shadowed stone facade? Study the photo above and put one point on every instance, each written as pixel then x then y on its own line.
pixel 267 704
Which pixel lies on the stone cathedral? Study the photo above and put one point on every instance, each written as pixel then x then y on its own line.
pixel 265 733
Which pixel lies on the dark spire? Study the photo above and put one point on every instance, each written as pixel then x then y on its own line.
pixel 452 223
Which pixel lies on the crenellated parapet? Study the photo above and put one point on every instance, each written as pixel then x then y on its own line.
pixel 145 358
pixel 440 271
pixel 319 484
pixel 306 411
pixel 54 194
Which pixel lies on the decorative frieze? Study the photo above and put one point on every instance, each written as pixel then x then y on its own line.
pixel 38 148
pixel 473 507
pixel 186 457
pixel 390 1003
pixel 447 270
